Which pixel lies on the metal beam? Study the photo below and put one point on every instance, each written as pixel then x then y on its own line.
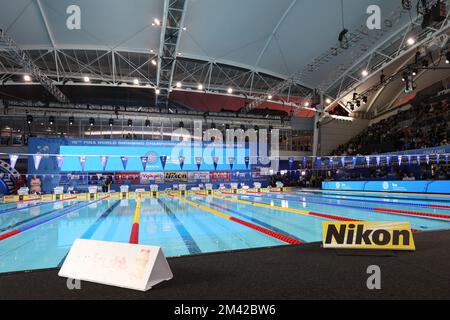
pixel 172 25
pixel 21 57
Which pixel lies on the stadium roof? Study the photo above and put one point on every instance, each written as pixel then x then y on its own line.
pixel 249 46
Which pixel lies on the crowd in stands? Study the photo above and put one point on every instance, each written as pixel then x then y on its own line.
pixel 421 126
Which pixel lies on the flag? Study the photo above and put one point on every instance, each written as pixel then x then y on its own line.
pixel 331 161
pixel 378 160
pixel 368 160
pixel 428 158
pixel 104 160
pixel 388 160
pixel 124 160
pixel 181 160
pixel 343 161
pixel 354 159
pixel 198 162
pixel 231 162
pixel 291 163
pixel 13 160
pixel 59 161
pixel 163 160
pixel 144 161
pixel 305 162
pixel 82 162
pixel 37 160
pixel 215 162
pixel 247 161
pixel 438 158
pixel 418 160
pixel 400 160
pixel 409 159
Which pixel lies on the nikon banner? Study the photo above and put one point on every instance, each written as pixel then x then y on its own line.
pixel 368 235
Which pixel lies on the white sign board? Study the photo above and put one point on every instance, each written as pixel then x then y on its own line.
pixel 125 265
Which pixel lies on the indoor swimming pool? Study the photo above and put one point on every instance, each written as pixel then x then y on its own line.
pixel 36 235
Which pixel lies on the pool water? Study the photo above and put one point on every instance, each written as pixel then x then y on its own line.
pixel 195 224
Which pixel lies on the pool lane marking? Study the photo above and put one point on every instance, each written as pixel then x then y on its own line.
pixel 302 212
pixel 35 218
pixel 184 233
pixel 11 210
pixel 315 214
pixel 94 227
pixel 41 222
pixel 425 215
pixel 134 234
pixel 434 206
pixel 242 222
pixel 262 223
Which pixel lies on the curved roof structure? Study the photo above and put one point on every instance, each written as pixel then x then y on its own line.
pixel 249 46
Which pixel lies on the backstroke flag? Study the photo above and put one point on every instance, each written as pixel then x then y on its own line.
pixel 13 160
pixel 144 161
pixel 124 160
pixel 37 160
pixel 231 162
pixel 181 160
pixel 163 160
pixel 82 162
pixel 59 161
pixel 104 160
pixel 198 162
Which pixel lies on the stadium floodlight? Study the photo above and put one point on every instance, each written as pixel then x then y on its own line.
pixel 26 78
pixel 178 85
pixel 136 81
pixel 230 90
pixel 86 79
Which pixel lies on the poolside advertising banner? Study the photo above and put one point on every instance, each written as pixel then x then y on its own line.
pixel 202 176
pixel 175 176
pixel 367 235
pixel 151 177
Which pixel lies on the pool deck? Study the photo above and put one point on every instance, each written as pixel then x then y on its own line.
pixel 288 272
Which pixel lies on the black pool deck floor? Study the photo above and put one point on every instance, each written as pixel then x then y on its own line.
pixel 289 272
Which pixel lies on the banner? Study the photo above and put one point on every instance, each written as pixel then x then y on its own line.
pixel 82 162
pixel 144 161
pixel 13 160
pixel 198 176
pixel 37 160
pixel 367 235
pixel 126 177
pixel 175 176
pixel 163 160
pixel 59 161
pixel 124 160
pixel 104 161
pixel 220 176
pixel 151 177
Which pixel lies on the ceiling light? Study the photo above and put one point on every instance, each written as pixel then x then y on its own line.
pixel 410 41
pixel 178 85
pixel 184 28
pixel 147 123
pixel 156 22
pixel 29 119
pixel 111 122
pixel 157 91
pixel 136 82
pixel 365 73
pixel 86 79
pixel 51 120
pixel 269 97
pixel 154 62
pixel 130 122
pixel 328 101
pixel 306 104
pixel 91 121
pixel 27 78
pixel 71 120
pixel 200 87
pixel 230 90
pixel 447 57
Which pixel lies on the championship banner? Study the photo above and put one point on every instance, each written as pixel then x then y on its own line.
pixel 367 235
pixel 175 176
